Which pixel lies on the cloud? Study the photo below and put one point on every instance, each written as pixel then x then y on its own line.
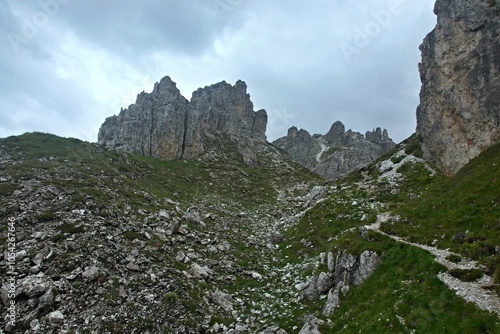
pixel 90 58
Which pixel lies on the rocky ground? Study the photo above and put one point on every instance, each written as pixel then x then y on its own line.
pixel 99 251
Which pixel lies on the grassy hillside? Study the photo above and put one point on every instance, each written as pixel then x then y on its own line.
pixel 128 216
pixel 461 213
pixel 255 229
pixel 404 294
pixel 85 166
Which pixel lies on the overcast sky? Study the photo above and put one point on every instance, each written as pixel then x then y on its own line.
pixel 66 65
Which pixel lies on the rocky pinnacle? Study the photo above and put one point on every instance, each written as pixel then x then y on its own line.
pixel 166 125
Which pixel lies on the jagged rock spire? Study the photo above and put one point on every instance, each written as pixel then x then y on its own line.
pixel 164 124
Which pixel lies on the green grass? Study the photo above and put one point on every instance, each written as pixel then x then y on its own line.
pixel 170 297
pixel 46 216
pixel 90 169
pixel 454 258
pixel 404 295
pixel 405 290
pixel 470 275
pixel 131 235
pixel 461 212
pixel 414 146
pixel 343 210
pixel 7 189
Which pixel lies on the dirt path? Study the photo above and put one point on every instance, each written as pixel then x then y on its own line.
pixel 474 292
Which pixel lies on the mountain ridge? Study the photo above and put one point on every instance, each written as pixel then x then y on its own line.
pixel 338 152
pixel 166 125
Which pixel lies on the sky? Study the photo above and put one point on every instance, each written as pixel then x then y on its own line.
pixel 67 65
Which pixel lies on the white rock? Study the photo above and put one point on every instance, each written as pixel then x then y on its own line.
pixel 56 318
pixel 257 276
pixel 91 273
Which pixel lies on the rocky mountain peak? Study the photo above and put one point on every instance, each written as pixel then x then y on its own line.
pixel 165 85
pixel 336 153
pixel 336 134
pixel 458 114
pixel 166 125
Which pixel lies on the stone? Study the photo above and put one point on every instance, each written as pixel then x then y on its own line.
pixel 174 227
pixel 460 72
pixel 153 126
pixel 35 325
pixel 163 214
pixel 223 300
pixel 274 329
pixel 311 292
pixel 325 282
pixel 91 273
pixel 368 261
pixel 47 300
pixel 193 215
pixel 333 301
pixel 199 271
pixel 34 288
pixel 4 294
pixel 133 267
pixel 330 261
pixel 311 325
pixel 344 266
pixel 337 153
pixel 256 276
pixel 363 233
pixel 56 318
pixel 180 256
pixel 166 125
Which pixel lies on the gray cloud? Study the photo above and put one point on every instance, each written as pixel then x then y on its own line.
pixel 91 57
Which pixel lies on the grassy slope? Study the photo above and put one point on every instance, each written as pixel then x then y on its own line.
pixel 117 183
pixel 404 294
pixel 81 165
pixel 461 213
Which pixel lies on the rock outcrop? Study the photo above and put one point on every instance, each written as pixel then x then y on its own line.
pixel 338 152
pixel 459 113
pixel 344 269
pixel 164 124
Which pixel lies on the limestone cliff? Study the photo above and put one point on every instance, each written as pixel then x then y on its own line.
pixel 338 152
pixel 153 126
pixel 164 124
pixel 459 111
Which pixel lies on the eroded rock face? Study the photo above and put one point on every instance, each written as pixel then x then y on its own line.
pixel 337 153
pixel 153 126
pixel 344 270
pixel 164 124
pixel 459 113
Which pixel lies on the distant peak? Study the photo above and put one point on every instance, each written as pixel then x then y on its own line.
pixel 165 85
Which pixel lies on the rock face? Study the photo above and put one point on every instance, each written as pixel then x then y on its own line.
pixel 164 124
pixel 344 269
pixel 153 126
pixel 338 152
pixel 459 113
